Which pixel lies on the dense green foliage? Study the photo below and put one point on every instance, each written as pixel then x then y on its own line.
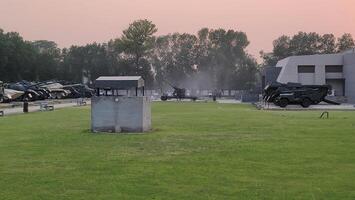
pixel 212 59
pixel 306 44
pixel 196 151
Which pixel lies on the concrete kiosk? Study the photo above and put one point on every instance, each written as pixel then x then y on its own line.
pixel 119 105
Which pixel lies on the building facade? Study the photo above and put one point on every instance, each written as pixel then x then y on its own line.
pixel 337 70
pixel 269 74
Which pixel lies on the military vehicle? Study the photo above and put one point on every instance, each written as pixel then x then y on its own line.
pixel 79 91
pixel 179 94
pixel 295 93
pixel 11 95
pixel 31 94
pixel 55 89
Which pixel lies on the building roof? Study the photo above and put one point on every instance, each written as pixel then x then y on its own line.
pixel 282 62
pixel 349 51
pixel 119 82
pixel 119 78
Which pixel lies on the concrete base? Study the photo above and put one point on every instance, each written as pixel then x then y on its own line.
pixel 117 114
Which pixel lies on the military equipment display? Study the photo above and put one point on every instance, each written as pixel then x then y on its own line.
pixel 179 94
pixel 33 91
pixel 79 91
pixel 295 93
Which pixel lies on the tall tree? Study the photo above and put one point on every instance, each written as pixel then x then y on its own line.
pixel 328 44
pixel 345 42
pixel 17 57
pixel 222 56
pixel 48 60
pixel 89 61
pixel 137 39
pixel 135 44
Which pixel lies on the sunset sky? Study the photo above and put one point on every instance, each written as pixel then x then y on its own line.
pixel 79 22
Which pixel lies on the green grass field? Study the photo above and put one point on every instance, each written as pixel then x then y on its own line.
pixel 196 151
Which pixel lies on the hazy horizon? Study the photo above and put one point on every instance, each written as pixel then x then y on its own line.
pixel 79 22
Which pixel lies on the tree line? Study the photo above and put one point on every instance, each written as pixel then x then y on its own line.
pixel 210 59
pixel 304 43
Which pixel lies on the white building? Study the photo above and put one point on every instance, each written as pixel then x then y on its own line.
pixel 337 70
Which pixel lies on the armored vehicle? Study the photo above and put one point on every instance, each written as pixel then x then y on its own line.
pixel 295 93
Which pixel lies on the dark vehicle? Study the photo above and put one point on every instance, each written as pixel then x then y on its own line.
pixel 2 92
pixel 73 92
pixel 79 91
pixel 295 93
pixel 30 94
pixel 31 91
pixel 84 90
pixel 55 89
pixel 179 94
pixel 43 93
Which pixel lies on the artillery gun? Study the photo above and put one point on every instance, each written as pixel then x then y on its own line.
pixel 179 94
pixel 295 93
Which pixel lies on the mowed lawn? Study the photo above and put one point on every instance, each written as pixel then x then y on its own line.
pixel 196 151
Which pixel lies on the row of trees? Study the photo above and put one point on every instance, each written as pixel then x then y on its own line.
pixel 211 59
pixel 307 44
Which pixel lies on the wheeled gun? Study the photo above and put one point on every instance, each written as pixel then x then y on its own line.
pixel 178 93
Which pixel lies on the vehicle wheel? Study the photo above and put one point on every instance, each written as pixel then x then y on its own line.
pixel 194 99
pixel 1 99
pixel 164 98
pixel 306 102
pixel 283 102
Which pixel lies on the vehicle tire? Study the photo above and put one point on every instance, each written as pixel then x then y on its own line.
pixel 283 102
pixel 1 99
pixel 194 99
pixel 164 98
pixel 306 102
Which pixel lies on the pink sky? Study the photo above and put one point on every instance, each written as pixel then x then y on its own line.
pixel 79 22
